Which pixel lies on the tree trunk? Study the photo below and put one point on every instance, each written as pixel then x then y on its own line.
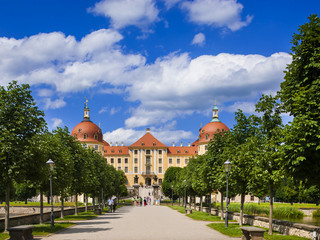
pixel 93 203
pixel 201 199
pixel 7 212
pixel 86 208
pixel 179 201
pixel 26 201
pixel 209 202
pixel 221 206
pixel 271 210
pixel 259 200
pixel 241 209
pixel 48 199
pixel 195 203
pixel 62 208
pixel 76 207
pixel 41 207
pixel 190 202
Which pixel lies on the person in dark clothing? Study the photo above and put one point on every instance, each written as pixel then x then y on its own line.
pixel 114 204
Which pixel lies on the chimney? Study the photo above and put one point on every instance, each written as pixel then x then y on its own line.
pixel 148 130
pixel 110 144
pixel 173 144
pixel 189 144
pixel 181 144
pixel 116 144
pixel 121 144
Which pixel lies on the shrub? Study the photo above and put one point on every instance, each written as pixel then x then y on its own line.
pixel 316 213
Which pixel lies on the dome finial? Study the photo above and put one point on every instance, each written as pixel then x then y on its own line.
pixel 86 110
pixel 215 110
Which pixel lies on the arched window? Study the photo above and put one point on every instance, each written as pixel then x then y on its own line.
pixel 96 137
pixel 207 136
pixel 85 136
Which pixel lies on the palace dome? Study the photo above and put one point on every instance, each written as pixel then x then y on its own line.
pixel 87 131
pixel 207 132
pixel 215 126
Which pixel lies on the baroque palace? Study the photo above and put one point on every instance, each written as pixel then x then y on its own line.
pixel 146 158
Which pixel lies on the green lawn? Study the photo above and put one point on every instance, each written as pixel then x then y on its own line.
pixel 42 230
pixel 202 216
pixel 234 230
pixel 81 216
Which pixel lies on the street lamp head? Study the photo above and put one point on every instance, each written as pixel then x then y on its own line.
pixel 227 166
pixel 51 164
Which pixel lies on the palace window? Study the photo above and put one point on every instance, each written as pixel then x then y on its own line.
pixel 119 160
pixel 126 169
pixel 160 169
pixel 126 160
pixel 112 150
pixel 135 151
pixel 153 143
pixel 142 144
pixel 119 168
pixel 79 130
pixel 186 161
pixel 178 151
pixel 252 198
pixel 96 147
pixel 207 136
pixel 178 161
pixel 160 160
pixel 148 151
pixel 160 151
pixel 148 160
pixel 85 136
pixel 135 169
pixel 170 160
pixel 136 160
pixel 111 160
pixel 120 151
pixel 160 181
pixel 95 137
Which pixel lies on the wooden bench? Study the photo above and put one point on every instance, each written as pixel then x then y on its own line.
pixel 97 211
pixel 23 232
pixel 188 211
pixel 252 233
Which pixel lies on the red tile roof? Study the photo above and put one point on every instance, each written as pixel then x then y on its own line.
pixel 116 150
pixel 182 151
pixel 148 141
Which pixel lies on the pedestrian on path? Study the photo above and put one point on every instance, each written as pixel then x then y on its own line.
pixel 110 203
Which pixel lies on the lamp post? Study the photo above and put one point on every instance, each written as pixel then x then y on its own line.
pixel 227 169
pixel 172 194
pixel 51 164
pixel 185 195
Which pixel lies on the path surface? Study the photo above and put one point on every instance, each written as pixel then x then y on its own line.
pixel 141 223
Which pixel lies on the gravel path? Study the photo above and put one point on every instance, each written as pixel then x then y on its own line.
pixel 141 223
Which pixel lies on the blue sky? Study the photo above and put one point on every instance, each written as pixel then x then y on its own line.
pixel 148 63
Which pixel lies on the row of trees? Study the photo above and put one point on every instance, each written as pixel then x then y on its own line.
pixel 266 154
pixel 26 145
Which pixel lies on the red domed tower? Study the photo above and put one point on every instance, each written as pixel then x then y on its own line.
pixel 88 133
pixel 207 132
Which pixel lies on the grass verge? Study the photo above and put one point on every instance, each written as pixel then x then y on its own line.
pixel 42 230
pixel 81 216
pixel 201 216
pixel 234 230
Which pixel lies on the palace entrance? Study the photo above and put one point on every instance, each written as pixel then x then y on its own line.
pixel 148 181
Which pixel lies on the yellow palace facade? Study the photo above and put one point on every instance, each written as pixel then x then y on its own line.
pixel 146 159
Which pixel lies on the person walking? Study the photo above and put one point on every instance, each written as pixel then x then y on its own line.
pixel 114 204
pixel 110 202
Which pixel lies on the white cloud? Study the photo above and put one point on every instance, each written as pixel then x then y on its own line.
pixel 115 110
pixel 57 122
pixel 103 110
pixel 140 13
pixel 171 3
pixel 246 107
pixel 219 13
pixel 58 103
pixel 130 136
pixel 64 63
pixel 45 92
pixel 177 85
pixel 199 39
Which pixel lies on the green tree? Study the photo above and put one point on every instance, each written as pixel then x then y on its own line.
pixel 171 178
pixel 300 94
pixel 240 152
pixel 269 160
pixel 20 120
